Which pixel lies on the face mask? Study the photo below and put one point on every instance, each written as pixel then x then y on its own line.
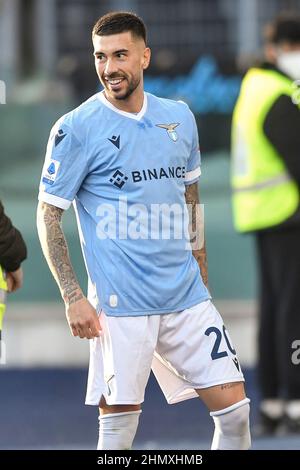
pixel 289 63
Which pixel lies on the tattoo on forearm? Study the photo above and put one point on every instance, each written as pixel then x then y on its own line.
pixel 192 200
pixel 56 252
pixel 200 256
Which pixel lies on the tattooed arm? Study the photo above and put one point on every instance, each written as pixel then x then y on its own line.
pixel 196 229
pixel 56 252
pixel 81 316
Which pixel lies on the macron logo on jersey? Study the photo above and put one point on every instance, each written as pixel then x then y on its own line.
pixel 59 137
pixel 115 140
pixel 119 178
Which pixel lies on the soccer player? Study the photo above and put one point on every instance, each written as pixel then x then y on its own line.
pixel 130 163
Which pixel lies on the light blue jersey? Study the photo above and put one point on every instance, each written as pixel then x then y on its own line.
pixel 126 174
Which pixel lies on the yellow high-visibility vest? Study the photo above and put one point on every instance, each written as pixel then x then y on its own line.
pixel 3 290
pixel 264 194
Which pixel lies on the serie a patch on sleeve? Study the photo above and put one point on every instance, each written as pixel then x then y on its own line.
pixel 50 173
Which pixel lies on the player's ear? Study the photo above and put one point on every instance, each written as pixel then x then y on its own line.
pixel 146 57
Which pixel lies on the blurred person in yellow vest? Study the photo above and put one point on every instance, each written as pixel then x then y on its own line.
pixel 12 252
pixel 265 182
pixel 3 290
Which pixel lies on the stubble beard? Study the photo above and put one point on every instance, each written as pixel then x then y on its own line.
pixel 132 86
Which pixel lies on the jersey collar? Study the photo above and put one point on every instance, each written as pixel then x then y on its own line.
pixel 137 116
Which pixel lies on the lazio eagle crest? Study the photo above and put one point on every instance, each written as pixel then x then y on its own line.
pixel 170 128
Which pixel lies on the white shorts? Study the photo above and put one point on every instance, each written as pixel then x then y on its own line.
pixel 186 351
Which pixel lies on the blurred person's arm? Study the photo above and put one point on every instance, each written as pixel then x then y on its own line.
pixel 81 316
pixel 12 252
pixel 282 128
pixel 196 223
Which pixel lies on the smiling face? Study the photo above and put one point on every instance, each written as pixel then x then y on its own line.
pixel 120 60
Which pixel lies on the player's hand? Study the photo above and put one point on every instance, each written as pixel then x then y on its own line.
pixel 14 280
pixel 83 319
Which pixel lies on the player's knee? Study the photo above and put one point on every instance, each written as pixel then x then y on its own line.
pixel 232 427
pixel 117 430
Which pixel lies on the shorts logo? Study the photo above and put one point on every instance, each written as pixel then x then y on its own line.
pixel 118 179
pixel 113 300
pixel 170 128
pixel 236 363
pixel 51 172
pixel 107 380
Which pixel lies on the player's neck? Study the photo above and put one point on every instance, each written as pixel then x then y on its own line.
pixel 133 104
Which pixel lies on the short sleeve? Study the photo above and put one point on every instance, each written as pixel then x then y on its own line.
pixel 193 166
pixel 64 169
